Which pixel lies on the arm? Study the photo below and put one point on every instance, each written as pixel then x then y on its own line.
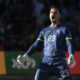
pixel 32 48
pixel 68 39
pixel 36 44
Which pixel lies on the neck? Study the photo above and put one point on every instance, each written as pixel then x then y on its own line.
pixel 54 24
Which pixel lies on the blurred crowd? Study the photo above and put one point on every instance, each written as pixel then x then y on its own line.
pixel 22 20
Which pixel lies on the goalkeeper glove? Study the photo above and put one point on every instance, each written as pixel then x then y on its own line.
pixel 71 59
pixel 22 58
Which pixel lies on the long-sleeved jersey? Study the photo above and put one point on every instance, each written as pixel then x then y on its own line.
pixel 54 39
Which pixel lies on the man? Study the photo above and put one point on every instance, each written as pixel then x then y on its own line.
pixel 53 60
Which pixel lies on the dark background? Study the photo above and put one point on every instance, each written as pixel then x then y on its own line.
pixel 22 20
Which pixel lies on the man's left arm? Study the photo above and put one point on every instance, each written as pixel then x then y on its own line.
pixel 69 44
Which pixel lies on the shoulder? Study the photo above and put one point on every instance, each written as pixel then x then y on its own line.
pixel 64 28
pixel 45 29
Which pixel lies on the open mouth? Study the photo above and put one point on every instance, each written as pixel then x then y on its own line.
pixel 53 18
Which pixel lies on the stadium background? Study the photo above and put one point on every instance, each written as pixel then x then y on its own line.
pixel 20 24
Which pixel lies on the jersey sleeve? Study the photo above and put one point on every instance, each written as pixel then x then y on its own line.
pixel 68 39
pixel 36 44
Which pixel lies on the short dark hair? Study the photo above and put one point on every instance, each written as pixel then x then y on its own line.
pixel 54 6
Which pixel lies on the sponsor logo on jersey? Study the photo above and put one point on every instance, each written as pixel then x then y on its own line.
pixel 47 31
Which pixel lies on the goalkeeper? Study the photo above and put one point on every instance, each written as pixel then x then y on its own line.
pixel 53 61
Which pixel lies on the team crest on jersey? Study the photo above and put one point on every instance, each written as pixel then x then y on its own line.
pixel 58 30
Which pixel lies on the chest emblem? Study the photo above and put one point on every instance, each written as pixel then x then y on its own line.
pixel 58 30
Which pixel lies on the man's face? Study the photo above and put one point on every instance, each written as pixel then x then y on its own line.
pixel 54 15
